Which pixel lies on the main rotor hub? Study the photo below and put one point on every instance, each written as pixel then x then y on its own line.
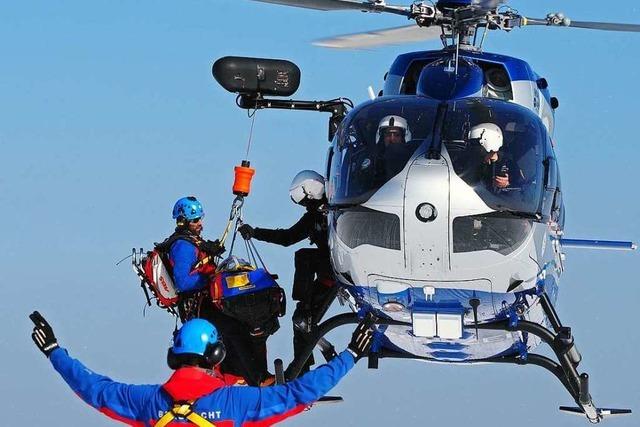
pixel 423 14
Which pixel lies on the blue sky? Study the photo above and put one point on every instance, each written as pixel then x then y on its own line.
pixel 109 113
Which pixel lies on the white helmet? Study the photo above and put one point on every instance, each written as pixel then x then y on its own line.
pixel 395 122
pixel 307 185
pixel 489 135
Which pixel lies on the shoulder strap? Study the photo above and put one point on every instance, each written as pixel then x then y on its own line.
pixel 165 245
pixel 183 410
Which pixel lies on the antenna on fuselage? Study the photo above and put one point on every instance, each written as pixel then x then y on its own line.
pixel 475 303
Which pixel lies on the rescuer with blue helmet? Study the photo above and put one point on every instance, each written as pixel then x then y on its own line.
pixel 191 261
pixel 197 393
pixel 187 249
pixel 190 257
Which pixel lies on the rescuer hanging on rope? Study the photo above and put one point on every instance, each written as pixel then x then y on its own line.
pixel 187 253
pixel 184 272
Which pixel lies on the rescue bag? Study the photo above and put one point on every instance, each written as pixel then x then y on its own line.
pixel 249 294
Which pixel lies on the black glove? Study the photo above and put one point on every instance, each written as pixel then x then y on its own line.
pixel 42 334
pixel 362 336
pixel 246 231
pixel 212 248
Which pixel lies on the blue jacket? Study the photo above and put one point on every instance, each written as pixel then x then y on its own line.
pixel 223 405
pixel 183 256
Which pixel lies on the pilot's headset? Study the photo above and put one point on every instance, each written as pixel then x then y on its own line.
pixel 394 122
pixel 307 186
pixel 196 343
pixel 489 135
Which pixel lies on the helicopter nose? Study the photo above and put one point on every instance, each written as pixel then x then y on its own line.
pixel 426 218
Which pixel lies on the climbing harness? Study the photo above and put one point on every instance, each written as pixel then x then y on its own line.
pixel 183 410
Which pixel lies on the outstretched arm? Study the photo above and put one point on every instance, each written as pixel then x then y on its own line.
pixel 264 403
pixel 286 237
pixel 281 401
pixel 123 402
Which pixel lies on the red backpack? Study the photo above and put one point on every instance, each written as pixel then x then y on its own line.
pixel 159 279
pixel 156 274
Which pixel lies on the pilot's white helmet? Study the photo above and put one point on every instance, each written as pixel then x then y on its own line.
pixel 488 134
pixel 395 122
pixel 307 185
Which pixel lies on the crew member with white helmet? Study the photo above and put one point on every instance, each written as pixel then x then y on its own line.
pixel 313 283
pixel 393 149
pixel 494 166
pixel 394 130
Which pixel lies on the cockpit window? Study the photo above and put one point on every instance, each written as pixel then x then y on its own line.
pixel 498 149
pixel 375 144
pixel 489 232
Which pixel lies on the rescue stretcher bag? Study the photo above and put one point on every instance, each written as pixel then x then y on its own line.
pixel 250 295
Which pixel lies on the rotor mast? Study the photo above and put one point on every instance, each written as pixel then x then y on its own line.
pixel 459 24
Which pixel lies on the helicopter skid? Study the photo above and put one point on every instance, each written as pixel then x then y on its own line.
pixel 560 342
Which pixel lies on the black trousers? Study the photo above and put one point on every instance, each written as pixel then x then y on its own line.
pixel 246 354
pixel 314 289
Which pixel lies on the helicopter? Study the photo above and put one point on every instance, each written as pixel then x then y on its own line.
pixel 458 265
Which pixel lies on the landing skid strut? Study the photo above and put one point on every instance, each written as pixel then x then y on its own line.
pixel 559 340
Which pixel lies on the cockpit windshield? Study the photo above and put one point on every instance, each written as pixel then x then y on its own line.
pixel 498 149
pixel 494 146
pixel 375 144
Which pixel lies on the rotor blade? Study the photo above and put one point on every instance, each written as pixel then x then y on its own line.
pixel 398 35
pixel 365 6
pixel 606 26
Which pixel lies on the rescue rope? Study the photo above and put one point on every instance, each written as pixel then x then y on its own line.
pixel 253 121
pixel 241 188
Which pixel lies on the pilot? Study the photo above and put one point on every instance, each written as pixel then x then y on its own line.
pixel 196 393
pixel 186 251
pixel 393 130
pixel 313 282
pixel 392 150
pixel 494 167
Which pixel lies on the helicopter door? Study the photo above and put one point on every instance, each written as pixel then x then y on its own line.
pixel 426 219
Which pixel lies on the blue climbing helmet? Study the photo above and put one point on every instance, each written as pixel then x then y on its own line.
pixel 196 343
pixel 188 208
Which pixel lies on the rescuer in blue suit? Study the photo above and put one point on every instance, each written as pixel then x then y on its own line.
pixel 187 250
pixel 196 393
pixel 191 260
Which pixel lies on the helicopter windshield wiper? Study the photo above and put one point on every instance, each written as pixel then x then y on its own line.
pixel 517 214
pixel 338 206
